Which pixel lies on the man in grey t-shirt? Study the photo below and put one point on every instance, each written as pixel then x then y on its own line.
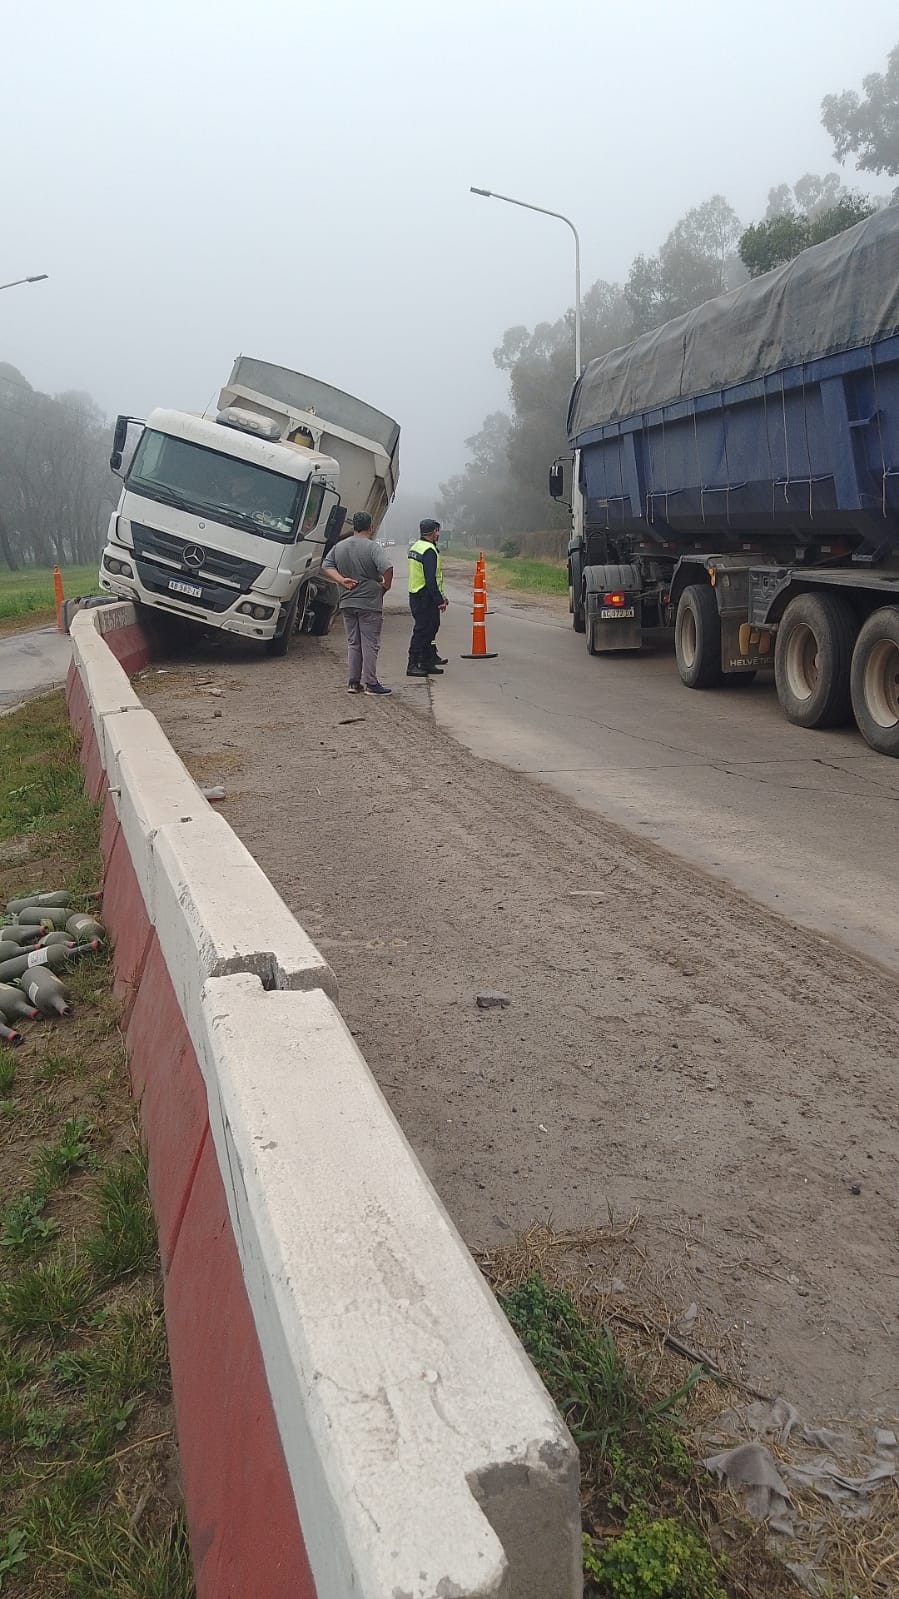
pixel 364 571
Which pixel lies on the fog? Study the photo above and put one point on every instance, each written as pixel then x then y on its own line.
pixel 203 179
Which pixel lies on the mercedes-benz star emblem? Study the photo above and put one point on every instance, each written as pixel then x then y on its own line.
pixel 194 556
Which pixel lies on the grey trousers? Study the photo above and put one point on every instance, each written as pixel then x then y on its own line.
pixel 363 641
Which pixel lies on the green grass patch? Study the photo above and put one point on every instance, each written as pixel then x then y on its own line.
pixel 30 590
pixel 636 1470
pixel 530 574
pixel 86 1444
pixel 42 800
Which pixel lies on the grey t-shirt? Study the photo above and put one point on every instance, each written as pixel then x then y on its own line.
pixel 361 558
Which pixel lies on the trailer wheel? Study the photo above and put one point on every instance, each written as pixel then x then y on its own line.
pixel 812 657
pixel 874 681
pixel 697 637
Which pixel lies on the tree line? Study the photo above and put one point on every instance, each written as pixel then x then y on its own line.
pixel 56 490
pixel 502 489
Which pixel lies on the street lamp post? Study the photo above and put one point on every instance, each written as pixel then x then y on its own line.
pixel 488 194
pixel 40 277
pixel 577 502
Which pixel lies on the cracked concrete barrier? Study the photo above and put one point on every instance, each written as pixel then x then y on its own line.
pixel 215 912
pixel 427 1459
pixel 355 1417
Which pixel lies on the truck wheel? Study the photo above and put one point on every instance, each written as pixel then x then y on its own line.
pixel 874 681
pixel 812 657
pixel 280 644
pixel 697 637
pixel 321 618
pixel 576 604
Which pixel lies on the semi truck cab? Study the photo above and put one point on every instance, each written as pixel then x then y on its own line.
pixel 217 523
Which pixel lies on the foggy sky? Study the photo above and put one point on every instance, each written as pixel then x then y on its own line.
pixel 290 180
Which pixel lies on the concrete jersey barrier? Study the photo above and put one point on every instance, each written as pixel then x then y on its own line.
pixel 356 1419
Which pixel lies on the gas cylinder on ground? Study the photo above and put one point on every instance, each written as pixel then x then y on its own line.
pixel 57 957
pixel 8 1035
pixel 8 949
pixel 83 928
pixel 14 1004
pixel 49 915
pixel 57 897
pixel 46 992
pixel 29 934
pixel 64 939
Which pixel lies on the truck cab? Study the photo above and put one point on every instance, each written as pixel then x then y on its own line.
pixel 224 520
pixel 216 524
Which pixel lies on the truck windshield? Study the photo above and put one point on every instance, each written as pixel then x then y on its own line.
pixel 210 484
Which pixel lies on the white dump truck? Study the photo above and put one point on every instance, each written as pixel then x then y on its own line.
pixel 224 519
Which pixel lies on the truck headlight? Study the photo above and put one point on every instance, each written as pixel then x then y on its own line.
pixel 260 613
pixel 120 568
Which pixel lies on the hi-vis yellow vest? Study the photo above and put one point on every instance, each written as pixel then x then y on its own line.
pixel 417 571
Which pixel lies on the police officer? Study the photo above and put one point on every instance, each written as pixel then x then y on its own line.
pixel 427 601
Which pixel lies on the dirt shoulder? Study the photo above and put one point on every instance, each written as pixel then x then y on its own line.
pixel 669 1047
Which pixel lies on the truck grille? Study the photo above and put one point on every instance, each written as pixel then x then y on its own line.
pixel 165 553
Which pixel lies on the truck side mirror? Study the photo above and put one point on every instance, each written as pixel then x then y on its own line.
pixel 556 481
pixel 334 526
pixel 119 440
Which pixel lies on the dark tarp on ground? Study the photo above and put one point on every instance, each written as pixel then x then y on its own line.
pixel 836 296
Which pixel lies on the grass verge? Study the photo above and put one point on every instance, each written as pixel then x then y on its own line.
pixel 90 1498
pixel 26 597
pixel 529 574
pixel 656 1527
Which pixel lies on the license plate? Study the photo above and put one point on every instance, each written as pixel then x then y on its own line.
pixel 620 610
pixel 194 590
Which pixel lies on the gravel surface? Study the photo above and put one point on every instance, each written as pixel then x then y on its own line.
pixel 669 1046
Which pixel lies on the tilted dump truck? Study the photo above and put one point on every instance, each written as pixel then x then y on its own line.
pixel 224 520
pixel 739 476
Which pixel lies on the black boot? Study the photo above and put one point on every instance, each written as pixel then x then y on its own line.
pixel 415 669
pixel 437 660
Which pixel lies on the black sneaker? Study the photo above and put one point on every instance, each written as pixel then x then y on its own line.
pixel 433 671
pixel 376 688
pixel 414 669
pixel 439 660
pixel 354 688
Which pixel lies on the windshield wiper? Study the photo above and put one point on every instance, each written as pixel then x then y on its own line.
pixel 248 519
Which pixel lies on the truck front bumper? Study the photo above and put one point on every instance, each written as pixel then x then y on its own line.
pixel 126 583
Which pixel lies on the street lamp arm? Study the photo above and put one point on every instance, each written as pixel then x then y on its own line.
pixel 40 277
pixel 490 194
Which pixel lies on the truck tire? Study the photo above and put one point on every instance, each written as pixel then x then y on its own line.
pixel 321 618
pixel 697 637
pixel 812 657
pixel 280 644
pixel 874 681
pixel 576 596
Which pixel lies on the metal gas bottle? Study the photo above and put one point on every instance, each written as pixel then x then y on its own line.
pixel 14 1004
pixel 8 1035
pixel 48 915
pixel 65 940
pixel 83 928
pixel 30 933
pixel 57 897
pixel 57 957
pixel 8 950
pixel 46 992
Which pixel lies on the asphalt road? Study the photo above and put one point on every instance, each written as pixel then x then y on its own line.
pixel 30 662
pixel 803 822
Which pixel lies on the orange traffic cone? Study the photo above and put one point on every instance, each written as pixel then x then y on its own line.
pixel 58 597
pixel 479 650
